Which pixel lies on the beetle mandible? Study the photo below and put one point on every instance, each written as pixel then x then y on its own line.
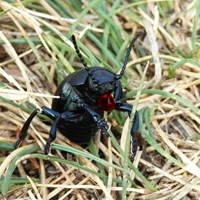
pixel 84 96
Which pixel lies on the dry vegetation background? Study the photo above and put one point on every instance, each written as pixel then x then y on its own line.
pixel 36 54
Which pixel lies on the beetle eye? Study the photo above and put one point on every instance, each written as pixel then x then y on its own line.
pixel 106 102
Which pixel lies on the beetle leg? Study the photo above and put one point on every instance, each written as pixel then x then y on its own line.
pixel 118 91
pixel 128 108
pixel 70 116
pixel 24 130
pixel 45 111
pixel 52 114
pixel 52 136
pixel 101 122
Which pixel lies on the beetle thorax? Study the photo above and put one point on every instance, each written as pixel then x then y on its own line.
pixel 101 81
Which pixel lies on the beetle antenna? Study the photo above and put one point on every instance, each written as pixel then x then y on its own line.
pixel 83 61
pixel 131 45
pixel 78 52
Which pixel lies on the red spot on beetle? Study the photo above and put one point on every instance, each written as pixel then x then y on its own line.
pixel 106 102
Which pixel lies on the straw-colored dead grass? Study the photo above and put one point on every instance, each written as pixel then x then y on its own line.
pixel 36 54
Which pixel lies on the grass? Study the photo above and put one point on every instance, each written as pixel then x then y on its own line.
pixel 36 54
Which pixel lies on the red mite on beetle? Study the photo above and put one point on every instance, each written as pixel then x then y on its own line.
pixel 84 96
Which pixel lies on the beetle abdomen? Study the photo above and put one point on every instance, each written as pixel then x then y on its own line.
pixel 80 132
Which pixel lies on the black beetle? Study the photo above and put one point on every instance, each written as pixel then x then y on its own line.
pixel 84 96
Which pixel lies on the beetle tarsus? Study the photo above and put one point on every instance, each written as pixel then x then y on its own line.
pixel 102 124
pixel 134 147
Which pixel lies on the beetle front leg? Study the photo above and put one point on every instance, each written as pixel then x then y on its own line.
pixel 128 108
pixel 101 122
